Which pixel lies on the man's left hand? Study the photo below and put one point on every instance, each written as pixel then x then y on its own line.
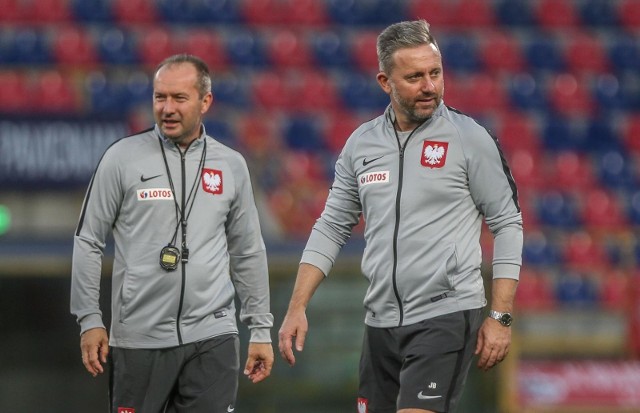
pixel 259 361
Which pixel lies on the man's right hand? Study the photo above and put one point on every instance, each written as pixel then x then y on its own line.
pixel 294 328
pixel 94 345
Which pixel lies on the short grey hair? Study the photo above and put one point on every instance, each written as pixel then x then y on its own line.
pixel 399 36
pixel 204 76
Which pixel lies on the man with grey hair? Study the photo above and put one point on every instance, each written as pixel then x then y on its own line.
pixel 424 176
pixel 180 207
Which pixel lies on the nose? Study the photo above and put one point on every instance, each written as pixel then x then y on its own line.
pixel 428 85
pixel 168 106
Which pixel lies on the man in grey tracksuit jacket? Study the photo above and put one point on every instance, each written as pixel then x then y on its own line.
pixel 423 176
pixel 187 241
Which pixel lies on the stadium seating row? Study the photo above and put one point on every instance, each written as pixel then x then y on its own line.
pixel 578 51
pixel 116 90
pixel 457 13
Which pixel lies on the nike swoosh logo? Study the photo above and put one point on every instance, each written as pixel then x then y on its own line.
pixel 366 161
pixel 231 409
pixel 145 179
pixel 423 397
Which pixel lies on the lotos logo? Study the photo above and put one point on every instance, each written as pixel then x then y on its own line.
pixel 154 194
pixel 373 178
pixel 126 410
pixel 212 181
pixel 434 154
pixel 363 405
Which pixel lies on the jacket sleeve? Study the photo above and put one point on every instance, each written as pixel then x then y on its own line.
pixel 495 194
pixel 99 212
pixel 248 259
pixel 341 213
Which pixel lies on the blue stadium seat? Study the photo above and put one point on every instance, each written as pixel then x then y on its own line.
pixel 117 46
pixel 575 289
pixel 28 46
pixel 599 13
pixel 217 11
pixel 303 133
pixel 633 212
pixel 558 210
pixel 220 130
pixel 624 53
pixel 601 135
pixel 562 133
pixel 459 53
pixel 93 11
pixel 515 13
pixel 544 53
pixel 331 49
pixel 615 170
pixel 612 94
pixel 527 92
pixel 246 49
pixel 372 12
pixel 105 96
pixel 139 89
pixel 230 90
pixel 538 251
pixel 178 11
pixel 362 92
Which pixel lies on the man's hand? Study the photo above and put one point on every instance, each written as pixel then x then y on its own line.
pixel 259 361
pixel 493 344
pixel 94 345
pixel 294 328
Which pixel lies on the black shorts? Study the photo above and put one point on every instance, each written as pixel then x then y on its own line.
pixel 421 366
pixel 195 377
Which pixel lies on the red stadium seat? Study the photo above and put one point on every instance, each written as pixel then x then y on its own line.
pixel 602 211
pixel 271 91
pixel 534 291
pixel 306 13
pixel 554 14
pixel 472 14
pixel 13 11
pixel 135 11
pixel 56 93
pixel 339 127
pixel 485 94
pixel 438 13
pixel 262 12
pixel 585 53
pixel 615 294
pixel 527 169
pixel 156 44
pixel 631 134
pixel 15 93
pixel 500 52
pixel 582 253
pixel 257 135
pixel 73 46
pixel 208 45
pixel 48 11
pixel 363 50
pixel 288 49
pixel 316 91
pixel 629 14
pixel 569 95
pixel 517 130
pixel 570 171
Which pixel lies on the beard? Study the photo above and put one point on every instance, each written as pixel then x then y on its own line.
pixel 410 109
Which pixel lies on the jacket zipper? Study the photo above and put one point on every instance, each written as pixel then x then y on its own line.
pixel 184 265
pixel 396 229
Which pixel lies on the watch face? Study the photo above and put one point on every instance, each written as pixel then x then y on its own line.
pixel 506 320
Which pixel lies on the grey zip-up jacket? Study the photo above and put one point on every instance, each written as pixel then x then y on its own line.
pixel 423 205
pixel 130 196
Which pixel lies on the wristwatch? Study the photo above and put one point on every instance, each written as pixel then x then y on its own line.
pixel 504 318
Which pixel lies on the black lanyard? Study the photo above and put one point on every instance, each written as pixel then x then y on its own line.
pixel 183 211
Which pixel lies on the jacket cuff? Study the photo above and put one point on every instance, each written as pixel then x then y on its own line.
pixel 506 271
pixel 317 260
pixel 260 335
pixel 91 321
